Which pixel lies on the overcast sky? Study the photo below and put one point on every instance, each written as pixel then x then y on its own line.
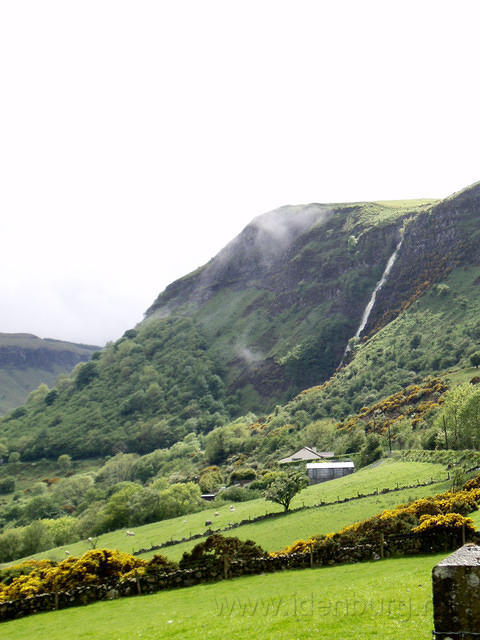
pixel 137 138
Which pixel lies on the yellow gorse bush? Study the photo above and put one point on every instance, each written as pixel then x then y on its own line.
pixel 93 567
pixel 443 512
pixel 443 522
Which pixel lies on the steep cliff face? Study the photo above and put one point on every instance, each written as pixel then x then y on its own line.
pixel 435 241
pixel 27 361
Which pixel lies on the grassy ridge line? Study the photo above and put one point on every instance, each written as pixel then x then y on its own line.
pixel 388 599
pixel 366 480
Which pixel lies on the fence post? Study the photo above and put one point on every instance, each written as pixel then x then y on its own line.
pixel 225 567
pixel 139 588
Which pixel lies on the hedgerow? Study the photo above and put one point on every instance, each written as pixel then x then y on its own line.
pixel 93 567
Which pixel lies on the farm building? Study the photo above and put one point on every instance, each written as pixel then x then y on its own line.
pixel 323 471
pixel 305 454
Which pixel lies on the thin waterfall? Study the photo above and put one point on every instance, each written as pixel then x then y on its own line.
pixel 371 302
pixel 380 283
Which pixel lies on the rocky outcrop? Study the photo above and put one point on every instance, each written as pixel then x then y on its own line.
pixel 42 358
pixel 435 242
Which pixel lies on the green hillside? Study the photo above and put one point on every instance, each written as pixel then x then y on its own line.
pixel 27 362
pixel 238 365
pixel 276 533
pixel 270 315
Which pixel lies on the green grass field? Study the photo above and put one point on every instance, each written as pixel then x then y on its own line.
pixel 277 532
pixel 389 599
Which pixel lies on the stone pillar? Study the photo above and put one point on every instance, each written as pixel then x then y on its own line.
pixel 456 595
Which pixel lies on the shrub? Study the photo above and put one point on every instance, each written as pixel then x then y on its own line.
pixel 443 531
pixel 474 483
pixel 7 485
pixel 159 564
pixel 93 567
pixel 437 520
pixel 216 549
pixel 237 494
pixel 9 574
pixel 244 474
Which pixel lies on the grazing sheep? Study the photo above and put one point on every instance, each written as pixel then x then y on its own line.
pixel 208 523
pixel 232 508
pixel 130 533
pixel 216 513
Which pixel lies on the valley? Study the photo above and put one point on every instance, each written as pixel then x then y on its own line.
pixel 351 327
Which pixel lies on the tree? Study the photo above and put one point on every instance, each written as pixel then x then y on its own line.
pixel 64 462
pixel 284 487
pixel 475 359
pixel 210 479
pixel 470 422
pixel 371 451
pixel 74 490
pixel 450 422
pixel 85 374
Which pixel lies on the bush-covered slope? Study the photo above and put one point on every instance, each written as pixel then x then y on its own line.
pixel 145 391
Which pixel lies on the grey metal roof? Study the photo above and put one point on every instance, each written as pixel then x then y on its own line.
pixel 330 465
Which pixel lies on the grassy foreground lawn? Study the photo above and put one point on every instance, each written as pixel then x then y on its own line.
pixel 388 599
pixel 274 534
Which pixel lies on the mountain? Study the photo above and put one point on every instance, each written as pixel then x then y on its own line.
pixel 27 361
pixel 279 303
pixel 271 315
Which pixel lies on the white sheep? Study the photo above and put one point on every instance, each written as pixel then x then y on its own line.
pixel 130 533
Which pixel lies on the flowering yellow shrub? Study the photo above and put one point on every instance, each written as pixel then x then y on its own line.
pixel 299 546
pixel 474 483
pixel 96 566
pixel 93 567
pixel 415 400
pixel 442 513
pixel 444 523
